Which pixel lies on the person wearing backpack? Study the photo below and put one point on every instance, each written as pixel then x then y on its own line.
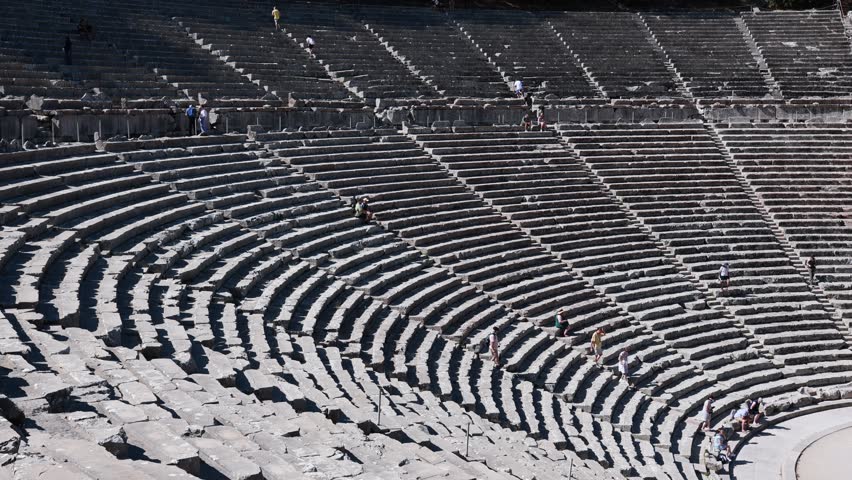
pixel 192 116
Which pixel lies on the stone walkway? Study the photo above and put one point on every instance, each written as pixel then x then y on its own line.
pixel 764 457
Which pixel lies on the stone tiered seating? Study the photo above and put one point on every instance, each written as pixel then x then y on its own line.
pixel 536 183
pixel 269 59
pixel 800 172
pixel 155 401
pixel 708 54
pixel 531 53
pixel 166 49
pixel 349 52
pixel 807 52
pixel 96 63
pixel 435 50
pixel 677 182
pixel 631 68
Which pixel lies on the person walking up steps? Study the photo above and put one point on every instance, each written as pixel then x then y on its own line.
pixel 494 346
pixel 811 264
pixel 624 366
pixel 597 344
pixel 725 277
pixel 310 44
pixel 276 15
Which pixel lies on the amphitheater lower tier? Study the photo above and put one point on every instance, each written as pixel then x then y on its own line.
pixel 212 306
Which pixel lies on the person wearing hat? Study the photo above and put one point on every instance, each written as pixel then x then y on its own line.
pixel 724 277
pixel 561 323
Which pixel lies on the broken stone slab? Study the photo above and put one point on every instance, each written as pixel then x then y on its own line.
pixel 219 367
pixel 89 457
pixel 162 444
pixel 264 386
pixel 10 440
pixel 121 413
pixel 227 462
pixel 136 393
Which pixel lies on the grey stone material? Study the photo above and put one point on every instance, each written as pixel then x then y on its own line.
pixel 225 461
pixel 163 445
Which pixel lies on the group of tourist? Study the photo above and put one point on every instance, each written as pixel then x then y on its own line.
pixel 199 120
pixel 741 420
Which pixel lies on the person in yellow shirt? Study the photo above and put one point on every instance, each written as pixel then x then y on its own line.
pixel 597 344
pixel 276 15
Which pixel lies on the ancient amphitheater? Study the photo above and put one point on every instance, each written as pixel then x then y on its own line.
pixel 176 306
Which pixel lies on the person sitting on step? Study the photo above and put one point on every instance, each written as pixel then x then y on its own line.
pixel 362 209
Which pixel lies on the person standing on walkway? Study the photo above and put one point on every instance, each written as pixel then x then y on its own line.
pixel 276 15
pixel 67 50
pixel 494 346
pixel 597 344
pixel 518 87
pixel 811 264
pixel 204 121
pixel 706 413
pixel 725 277
pixel 192 116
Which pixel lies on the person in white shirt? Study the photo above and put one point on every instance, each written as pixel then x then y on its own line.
pixel 309 43
pixel 519 88
pixel 724 277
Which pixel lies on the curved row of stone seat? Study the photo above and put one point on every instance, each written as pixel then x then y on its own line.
pixel 348 51
pixel 209 450
pixel 435 50
pixel 631 337
pixel 310 297
pixel 532 175
pixel 163 47
pixel 708 54
pixel 408 363
pixel 675 179
pixel 545 191
pixel 135 412
pixel 532 54
pixel 800 172
pixel 95 63
pixel 807 52
pixel 632 68
pixel 346 343
pixel 248 49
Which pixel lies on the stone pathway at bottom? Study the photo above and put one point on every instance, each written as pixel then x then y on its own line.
pixel 765 454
